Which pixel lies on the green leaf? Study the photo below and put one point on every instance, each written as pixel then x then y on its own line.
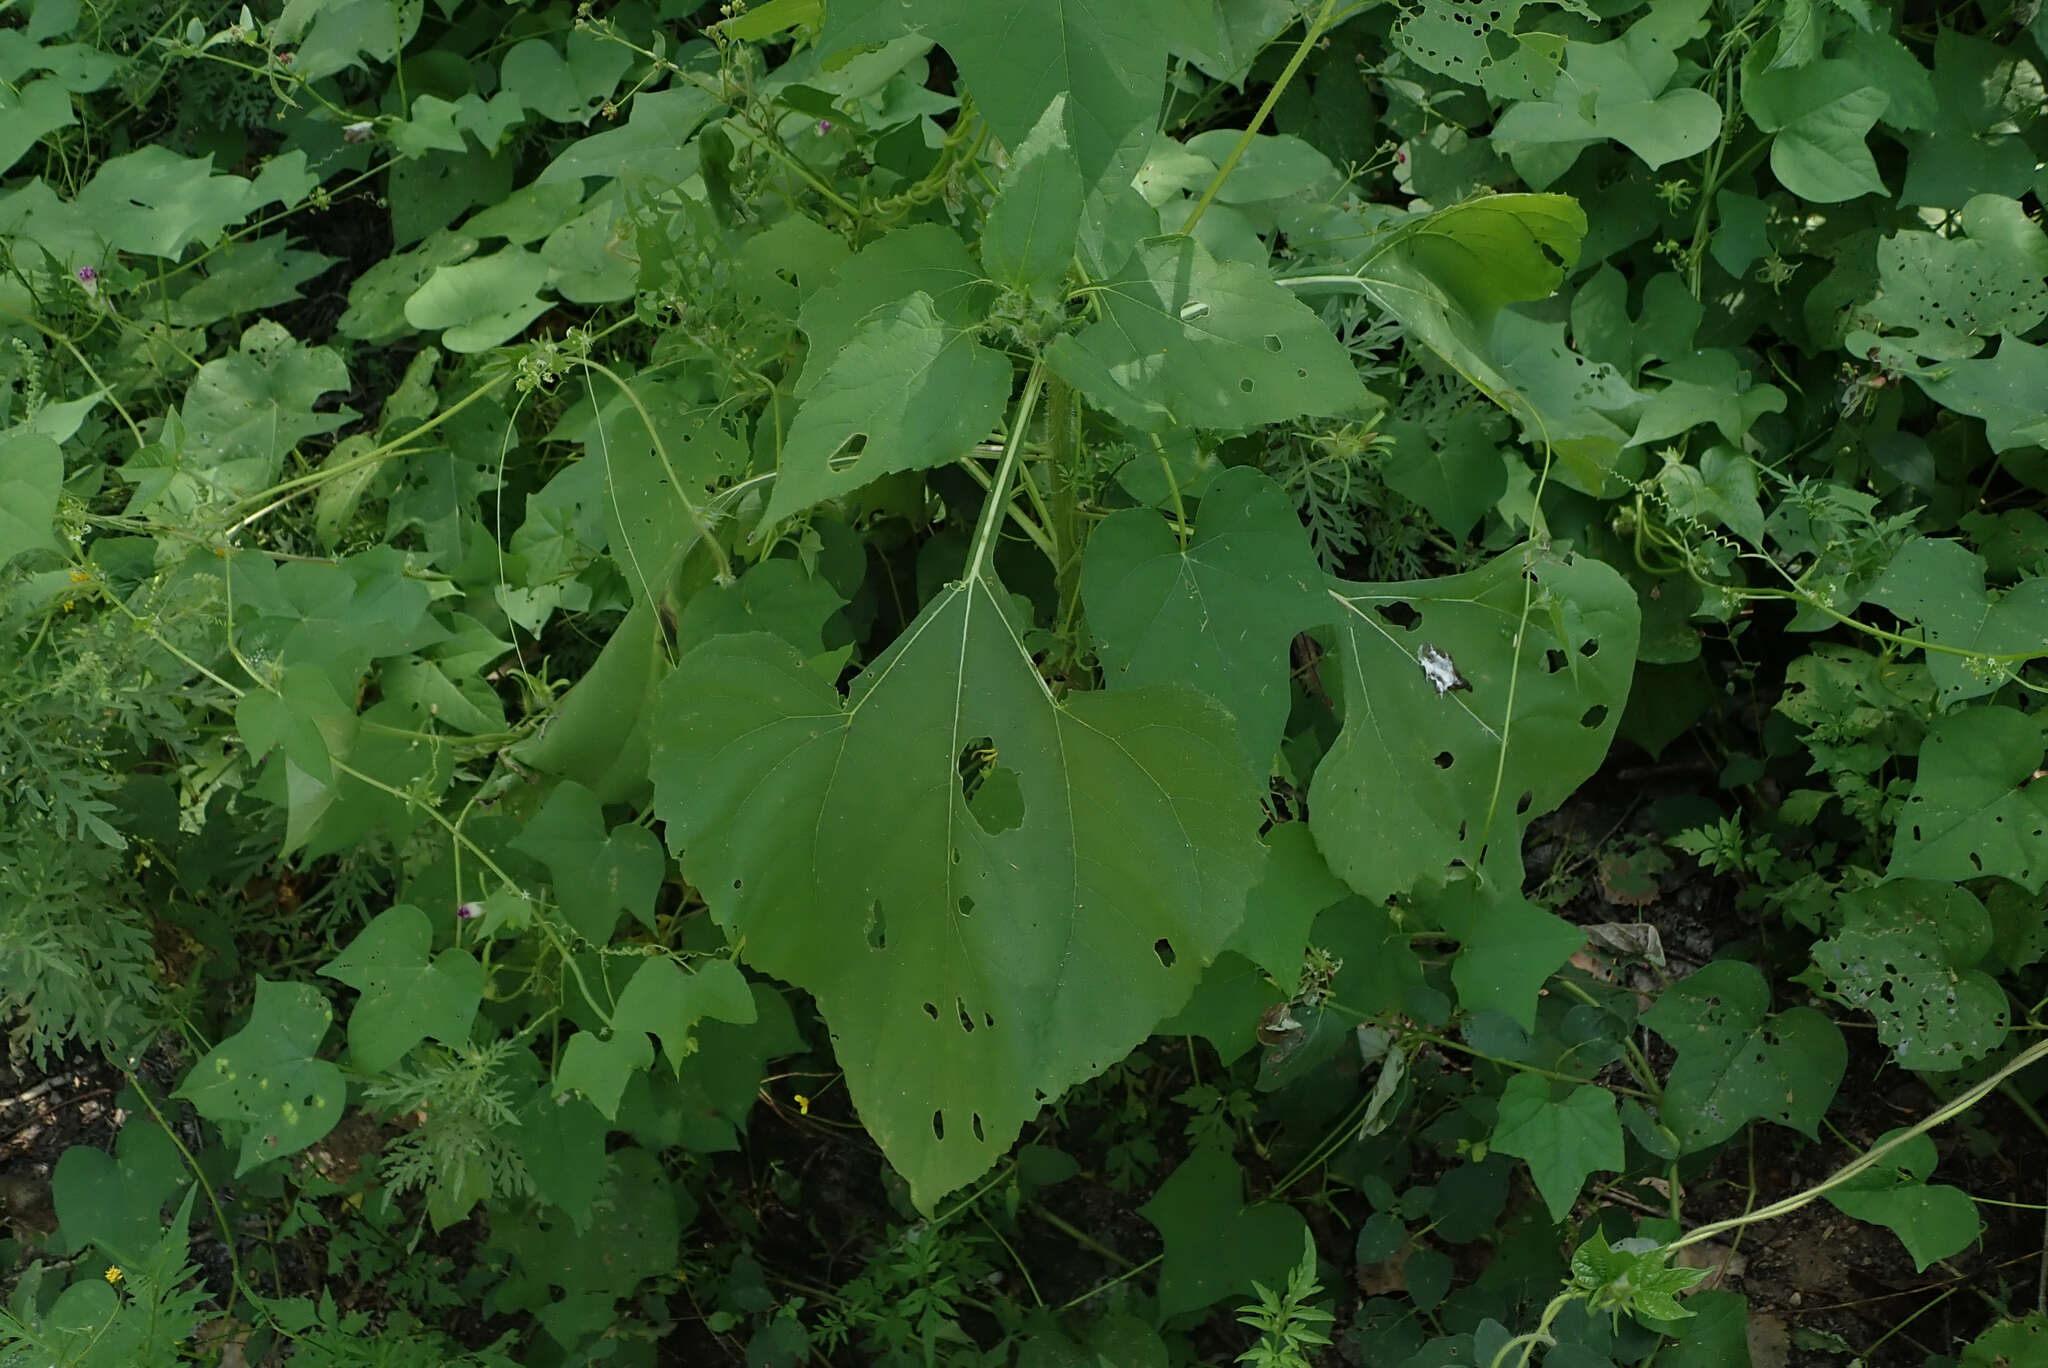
pixel 1109 56
pixel 1975 808
pixel 1219 613
pixel 654 147
pixel 1507 947
pixel 481 303
pixel 2003 390
pixel 965 956
pixel 925 259
pixel 1940 297
pixel 116 1201
pixel 1216 1246
pixel 1907 954
pixel 1710 386
pixel 31 478
pixel 1821 116
pixel 1938 586
pixel 1737 1062
pixel 1564 1141
pixel 157 203
pixel 906 392
pixel 1453 468
pixel 30 113
pixel 1933 1222
pixel 267 1077
pixel 1453 37
pixel 1028 241
pixel 596 874
pixel 1619 90
pixel 406 997
pixel 1448 275
pixel 1185 340
pixel 1272 168
pixel 376 301
pixel 660 1000
pixel 245 411
pixel 1988 99
pixel 1419 778
pixel 566 89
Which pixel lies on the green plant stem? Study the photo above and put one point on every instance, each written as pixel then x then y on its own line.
pixel 298 484
pixel 227 1231
pixel 1136 1270
pixel 1082 1238
pixel 1320 25
pixel 690 509
pixel 1062 453
pixel 1955 1107
pixel 1037 534
pixel 999 487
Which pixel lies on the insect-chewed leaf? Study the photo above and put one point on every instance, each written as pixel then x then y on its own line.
pixel 1418 777
pixel 992 894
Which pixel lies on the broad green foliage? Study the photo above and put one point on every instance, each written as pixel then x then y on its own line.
pixel 267 1079
pixel 961 943
pixel 1217 1245
pixel 406 997
pixel 1424 775
pixel 1563 1138
pixel 806 577
pixel 1738 1062
pixel 1934 1221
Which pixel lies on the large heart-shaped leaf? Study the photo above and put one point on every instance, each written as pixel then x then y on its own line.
pixel 993 893
pixel 1428 771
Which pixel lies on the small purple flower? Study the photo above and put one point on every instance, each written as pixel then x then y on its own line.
pixel 469 911
pixel 87 275
pixel 824 127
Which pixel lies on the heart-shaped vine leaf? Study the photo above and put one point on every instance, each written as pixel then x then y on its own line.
pixel 1472 705
pixel 406 997
pixel 267 1078
pixel 1564 1138
pixel 1933 1221
pixel 1218 613
pixel 1906 954
pixel 1976 808
pixel 993 893
pixel 1186 340
pixel 1737 1062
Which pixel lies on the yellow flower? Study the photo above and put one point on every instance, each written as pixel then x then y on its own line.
pixel 113 1273
pixel 803 1104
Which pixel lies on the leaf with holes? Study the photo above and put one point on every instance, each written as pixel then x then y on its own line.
pixel 1933 1221
pixel 1422 776
pixel 1737 1062
pixel 1185 340
pixel 406 997
pixel 1939 587
pixel 1975 808
pixel 1906 954
pixel 993 894
pixel 1218 613
pixel 1939 298
pixel 267 1077
pixel 906 392
pixel 1564 1140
